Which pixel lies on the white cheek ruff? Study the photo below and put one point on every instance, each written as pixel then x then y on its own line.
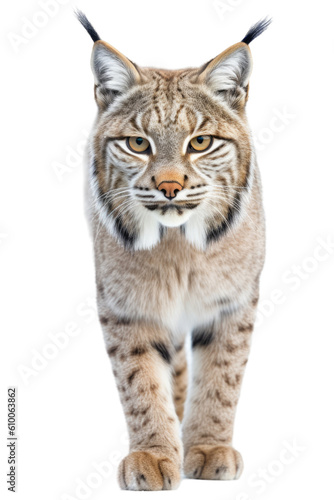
pixel 149 233
pixel 195 228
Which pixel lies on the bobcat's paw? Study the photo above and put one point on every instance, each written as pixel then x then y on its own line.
pixel 143 470
pixel 213 462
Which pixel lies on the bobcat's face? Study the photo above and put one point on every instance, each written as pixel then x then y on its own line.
pixel 170 148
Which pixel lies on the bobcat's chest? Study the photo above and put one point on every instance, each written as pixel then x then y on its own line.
pixel 179 295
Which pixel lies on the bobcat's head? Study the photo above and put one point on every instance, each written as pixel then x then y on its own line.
pixel 170 148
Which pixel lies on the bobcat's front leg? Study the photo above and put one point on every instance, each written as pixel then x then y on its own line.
pixel 141 356
pixel 220 353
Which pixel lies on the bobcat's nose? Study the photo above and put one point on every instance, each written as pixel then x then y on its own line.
pixel 170 188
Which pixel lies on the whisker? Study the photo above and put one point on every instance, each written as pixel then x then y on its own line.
pixel 230 186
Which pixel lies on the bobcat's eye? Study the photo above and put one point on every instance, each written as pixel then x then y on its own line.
pixel 200 143
pixel 138 144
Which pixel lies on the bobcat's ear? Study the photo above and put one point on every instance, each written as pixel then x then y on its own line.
pixel 113 72
pixel 228 74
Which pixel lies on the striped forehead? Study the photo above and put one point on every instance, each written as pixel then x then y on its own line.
pixel 168 110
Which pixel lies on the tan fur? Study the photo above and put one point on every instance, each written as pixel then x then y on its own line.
pixel 180 380
pixel 150 296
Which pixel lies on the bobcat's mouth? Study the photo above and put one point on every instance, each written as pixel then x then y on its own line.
pixel 178 207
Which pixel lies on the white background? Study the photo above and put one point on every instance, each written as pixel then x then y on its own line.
pixel 69 415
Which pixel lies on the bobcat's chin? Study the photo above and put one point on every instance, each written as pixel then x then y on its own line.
pixel 173 218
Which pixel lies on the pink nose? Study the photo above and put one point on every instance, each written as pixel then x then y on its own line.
pixel 170 188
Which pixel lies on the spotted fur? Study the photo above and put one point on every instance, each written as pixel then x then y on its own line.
pixel 179 249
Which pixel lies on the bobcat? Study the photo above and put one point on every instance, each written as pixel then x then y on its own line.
pixel 174 204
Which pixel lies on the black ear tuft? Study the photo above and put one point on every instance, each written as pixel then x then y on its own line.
pixel 256 30
pixel 86 24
